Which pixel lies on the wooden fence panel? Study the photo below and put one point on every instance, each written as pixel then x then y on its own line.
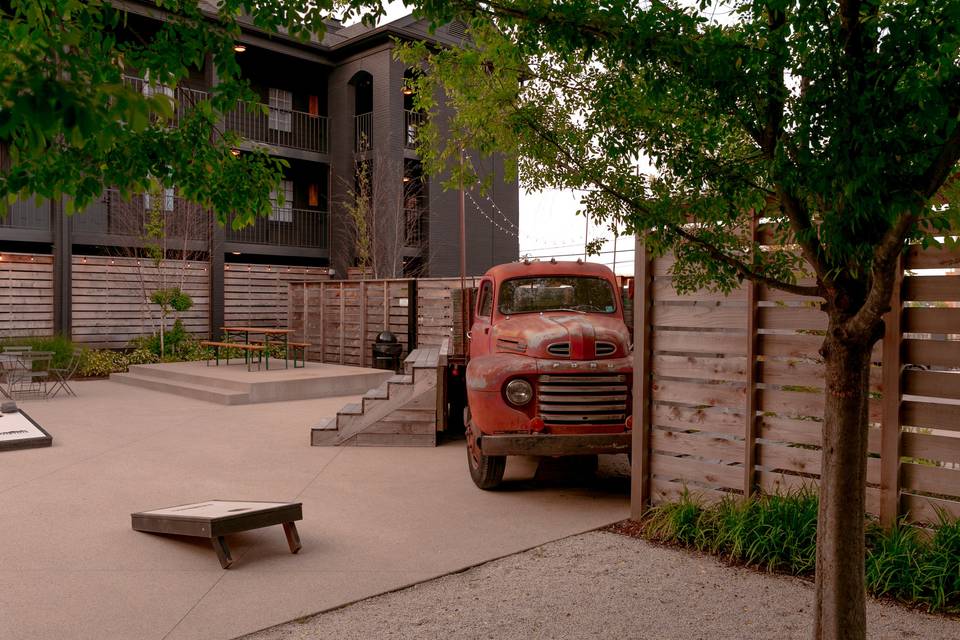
pixel 111 306
pixel 26 295
pixel 257 294
pixel 737 391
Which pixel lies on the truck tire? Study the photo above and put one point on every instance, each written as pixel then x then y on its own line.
pixel 485 471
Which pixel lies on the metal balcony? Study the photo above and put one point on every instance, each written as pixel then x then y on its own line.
pixel 287 227
pixel 412 120
pixel 27 214
pixel 415 228
pixel 362 131
pixel 123 221
pixel 280 127
pixel 184 98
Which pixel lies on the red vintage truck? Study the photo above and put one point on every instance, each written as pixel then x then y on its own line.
pixel 549 370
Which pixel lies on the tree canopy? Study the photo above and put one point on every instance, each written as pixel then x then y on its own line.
pixel 70 125
pixel 833 125
pixel 837 122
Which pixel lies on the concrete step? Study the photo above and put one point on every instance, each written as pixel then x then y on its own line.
pixel 324 434
pixel 168 374
pixel 206 393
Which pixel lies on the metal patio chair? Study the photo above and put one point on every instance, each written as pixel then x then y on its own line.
pixel 62 377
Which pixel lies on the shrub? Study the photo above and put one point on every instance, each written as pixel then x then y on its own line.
pixel 97 363
pixel 915 566
pixel 779 533
pixel 61 347
pixel 142 356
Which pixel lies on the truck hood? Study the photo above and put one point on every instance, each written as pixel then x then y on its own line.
pixel 562 335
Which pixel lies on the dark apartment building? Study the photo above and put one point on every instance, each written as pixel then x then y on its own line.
pixel 332 108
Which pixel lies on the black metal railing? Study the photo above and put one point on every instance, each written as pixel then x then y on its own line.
pixel 184 98
pixel 280 127
pixel 412 121
pixel 304 228
pixel 362 130
pixel 415 227
pixel 114 215
pixel 27 214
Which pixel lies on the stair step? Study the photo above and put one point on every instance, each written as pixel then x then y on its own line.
pixel 324 437
pixel 190 390
pixel 326 424
pixel 400 380
pixel 178 375
pixel 380 393
pixel 352 409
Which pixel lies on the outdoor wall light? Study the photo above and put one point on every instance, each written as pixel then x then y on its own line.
pixel 407 91
pixel 239 47
pixel 235 152
pixel 236 253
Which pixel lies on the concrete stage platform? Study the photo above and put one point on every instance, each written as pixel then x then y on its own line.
pixel 233 384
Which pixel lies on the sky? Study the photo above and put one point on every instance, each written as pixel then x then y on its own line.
pixel 549 224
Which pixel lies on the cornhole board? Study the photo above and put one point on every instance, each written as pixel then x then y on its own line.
pixel 19 431
pixel 215 519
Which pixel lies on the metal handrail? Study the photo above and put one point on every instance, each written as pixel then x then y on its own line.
pixel 305 228
pixel 115 215
pixel 363 129
pixel 280 127
pixel 412 121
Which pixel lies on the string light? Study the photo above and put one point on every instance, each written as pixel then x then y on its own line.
pixel 483 213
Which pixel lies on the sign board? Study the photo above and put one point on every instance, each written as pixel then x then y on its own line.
pixel 19 431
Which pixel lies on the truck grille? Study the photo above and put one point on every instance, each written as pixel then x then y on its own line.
pixel 561 349
pixel 604 348
pixel 582 399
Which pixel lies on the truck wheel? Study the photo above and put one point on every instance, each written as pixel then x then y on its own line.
pixel 485 471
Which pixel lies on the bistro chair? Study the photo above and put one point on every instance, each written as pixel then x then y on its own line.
pixel 62 377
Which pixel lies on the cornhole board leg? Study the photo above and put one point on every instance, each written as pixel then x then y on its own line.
pixel 223 551
pixel 293 538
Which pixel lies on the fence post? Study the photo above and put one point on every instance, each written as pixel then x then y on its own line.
pixel 890 417
pixel 750 431
pixel 640 465
pixel 343 315
pixel 323 322
pixel 412 315
pixel 363 323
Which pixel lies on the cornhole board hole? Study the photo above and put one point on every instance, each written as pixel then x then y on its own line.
pixel 215 519
pixel 19 431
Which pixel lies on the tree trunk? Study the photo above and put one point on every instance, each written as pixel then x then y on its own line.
pixel 840 608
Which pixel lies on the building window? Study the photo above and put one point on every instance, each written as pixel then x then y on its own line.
pixel 284 212
pixel 165 203
pixel 313 195
pixel 281 102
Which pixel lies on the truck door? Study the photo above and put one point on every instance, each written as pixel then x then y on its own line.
pixel 480 331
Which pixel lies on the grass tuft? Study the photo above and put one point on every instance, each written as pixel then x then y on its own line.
pixel 778 532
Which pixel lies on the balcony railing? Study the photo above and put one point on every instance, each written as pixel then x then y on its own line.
pixel 304 228
pixel 362 130
pixel 257 122
pixel 280 127
pixel 412 120
pixel 123 218
pixel 184 98
pixel 27 214
pixel 415 229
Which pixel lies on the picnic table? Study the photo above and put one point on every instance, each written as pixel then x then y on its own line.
pixel 276 336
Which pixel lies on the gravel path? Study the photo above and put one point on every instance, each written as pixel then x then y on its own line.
pixel 600 585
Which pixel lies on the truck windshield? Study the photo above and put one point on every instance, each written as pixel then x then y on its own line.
pixel 556 293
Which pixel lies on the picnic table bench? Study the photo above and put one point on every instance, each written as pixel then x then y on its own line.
pixel 248 349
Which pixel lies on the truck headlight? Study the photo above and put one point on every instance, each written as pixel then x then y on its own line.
pixel 519 392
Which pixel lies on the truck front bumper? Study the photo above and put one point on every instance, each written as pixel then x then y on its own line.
pixel 555 444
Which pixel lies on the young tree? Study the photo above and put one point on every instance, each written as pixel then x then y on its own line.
pixel 69 125
pixel 835 123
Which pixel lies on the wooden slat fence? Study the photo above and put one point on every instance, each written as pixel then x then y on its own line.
pixel 734 387
pixel 256 294
pixel 340 319
pixel 26 295
pixel 111 298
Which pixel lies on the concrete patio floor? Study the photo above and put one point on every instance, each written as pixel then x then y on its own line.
pixel 375 519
